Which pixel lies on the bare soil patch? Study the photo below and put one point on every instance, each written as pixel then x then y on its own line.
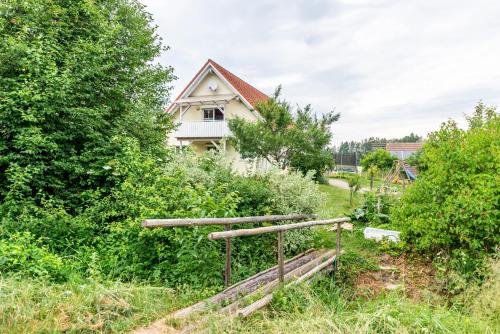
pixel 412 276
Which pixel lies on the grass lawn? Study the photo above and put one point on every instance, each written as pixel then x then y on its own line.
pixel 337 202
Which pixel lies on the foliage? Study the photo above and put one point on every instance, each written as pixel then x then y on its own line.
pixel 354 182
pixel 21 254
pixel 415 160
pixel 299 140
pixel 372 143
pixel 452 211
pixel 372 172
pixel 74 75
pixel 376 208
pixel 105 238
pixel 380 158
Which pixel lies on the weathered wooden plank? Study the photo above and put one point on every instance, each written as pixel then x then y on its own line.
pixel 257 305
pixel 246 287
pixel 270 286
pixel 338 245
pixel 281 256
pixel 153 223
pixel 227 272
pixel 270 229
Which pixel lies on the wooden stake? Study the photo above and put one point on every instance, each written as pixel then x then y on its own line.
pixel 227 272
pixel 281 258
pixel 337 246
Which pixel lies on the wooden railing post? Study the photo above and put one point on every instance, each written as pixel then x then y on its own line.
pixel 338 249
pixel 227 272
pixel 281 258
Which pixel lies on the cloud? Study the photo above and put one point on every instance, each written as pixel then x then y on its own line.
pixel 390 67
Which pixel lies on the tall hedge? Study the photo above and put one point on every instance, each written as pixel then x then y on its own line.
pixel 452 210
pixel 74 75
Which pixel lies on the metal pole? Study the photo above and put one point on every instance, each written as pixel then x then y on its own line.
pixel 281 260
pixel 227 273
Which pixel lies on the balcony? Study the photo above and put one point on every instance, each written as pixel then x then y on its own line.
pixel 202 130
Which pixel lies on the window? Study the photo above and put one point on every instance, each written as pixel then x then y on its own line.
pixel 211 147
pixel 213 114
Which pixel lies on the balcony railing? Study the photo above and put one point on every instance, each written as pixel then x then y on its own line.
pixel 202 129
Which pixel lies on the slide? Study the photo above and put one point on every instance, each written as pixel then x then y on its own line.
pixel 410 174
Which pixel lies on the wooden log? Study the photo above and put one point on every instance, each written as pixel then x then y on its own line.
pixel 227 272
pixel 153 223
pixel 337 245
pixel 248 310
pixel 241 288
pixel 275 283
pixel 315 270
pixel 271 269
pixel 276 228
pixel 281 256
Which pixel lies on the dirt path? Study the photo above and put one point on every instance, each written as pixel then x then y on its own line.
pixel 342 184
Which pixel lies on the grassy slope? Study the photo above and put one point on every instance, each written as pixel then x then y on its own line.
pixel 34 306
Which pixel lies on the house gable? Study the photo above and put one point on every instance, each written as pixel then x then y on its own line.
pixel 227 84
pixel 202 88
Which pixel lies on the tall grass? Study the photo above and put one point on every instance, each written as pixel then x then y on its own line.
pixel 34 306
pixel 324 308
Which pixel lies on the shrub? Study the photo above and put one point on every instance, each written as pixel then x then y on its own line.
pixel 452 209
pixel 376 208
pixel 73 75
pixel 105 237
pixel 21 253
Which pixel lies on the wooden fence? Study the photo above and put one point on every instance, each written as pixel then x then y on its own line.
pixel 228 233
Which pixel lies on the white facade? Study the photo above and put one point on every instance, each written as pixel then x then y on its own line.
pixel 202 111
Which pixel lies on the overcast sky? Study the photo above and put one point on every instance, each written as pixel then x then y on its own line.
pixel 389 67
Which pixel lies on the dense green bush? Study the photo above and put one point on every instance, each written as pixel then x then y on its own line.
pixel 74 75
pixel 22 254
pixel 105 237
pixel 452 210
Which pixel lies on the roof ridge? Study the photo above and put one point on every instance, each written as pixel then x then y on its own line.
pixel 248 92
pixel 231 73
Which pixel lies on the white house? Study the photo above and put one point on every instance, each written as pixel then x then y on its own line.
pixel 202 109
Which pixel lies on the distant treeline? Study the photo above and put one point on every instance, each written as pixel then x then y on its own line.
pixel 372 143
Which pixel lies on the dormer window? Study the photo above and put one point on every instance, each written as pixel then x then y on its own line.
pixel 213 114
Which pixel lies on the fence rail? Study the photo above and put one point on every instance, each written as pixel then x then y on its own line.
pixel 184 222
pixel 228 233
pixel 270 229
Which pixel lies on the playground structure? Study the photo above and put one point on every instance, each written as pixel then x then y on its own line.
pixel 401 173
pixel 239 299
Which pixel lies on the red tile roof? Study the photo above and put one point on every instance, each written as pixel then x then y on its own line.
pixel 403 146
pixel 247 91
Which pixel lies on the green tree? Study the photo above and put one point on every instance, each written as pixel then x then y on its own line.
pixel 380 158
pixel 297 140
pixel 411 138
pixel 74 75
pixel 452 210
